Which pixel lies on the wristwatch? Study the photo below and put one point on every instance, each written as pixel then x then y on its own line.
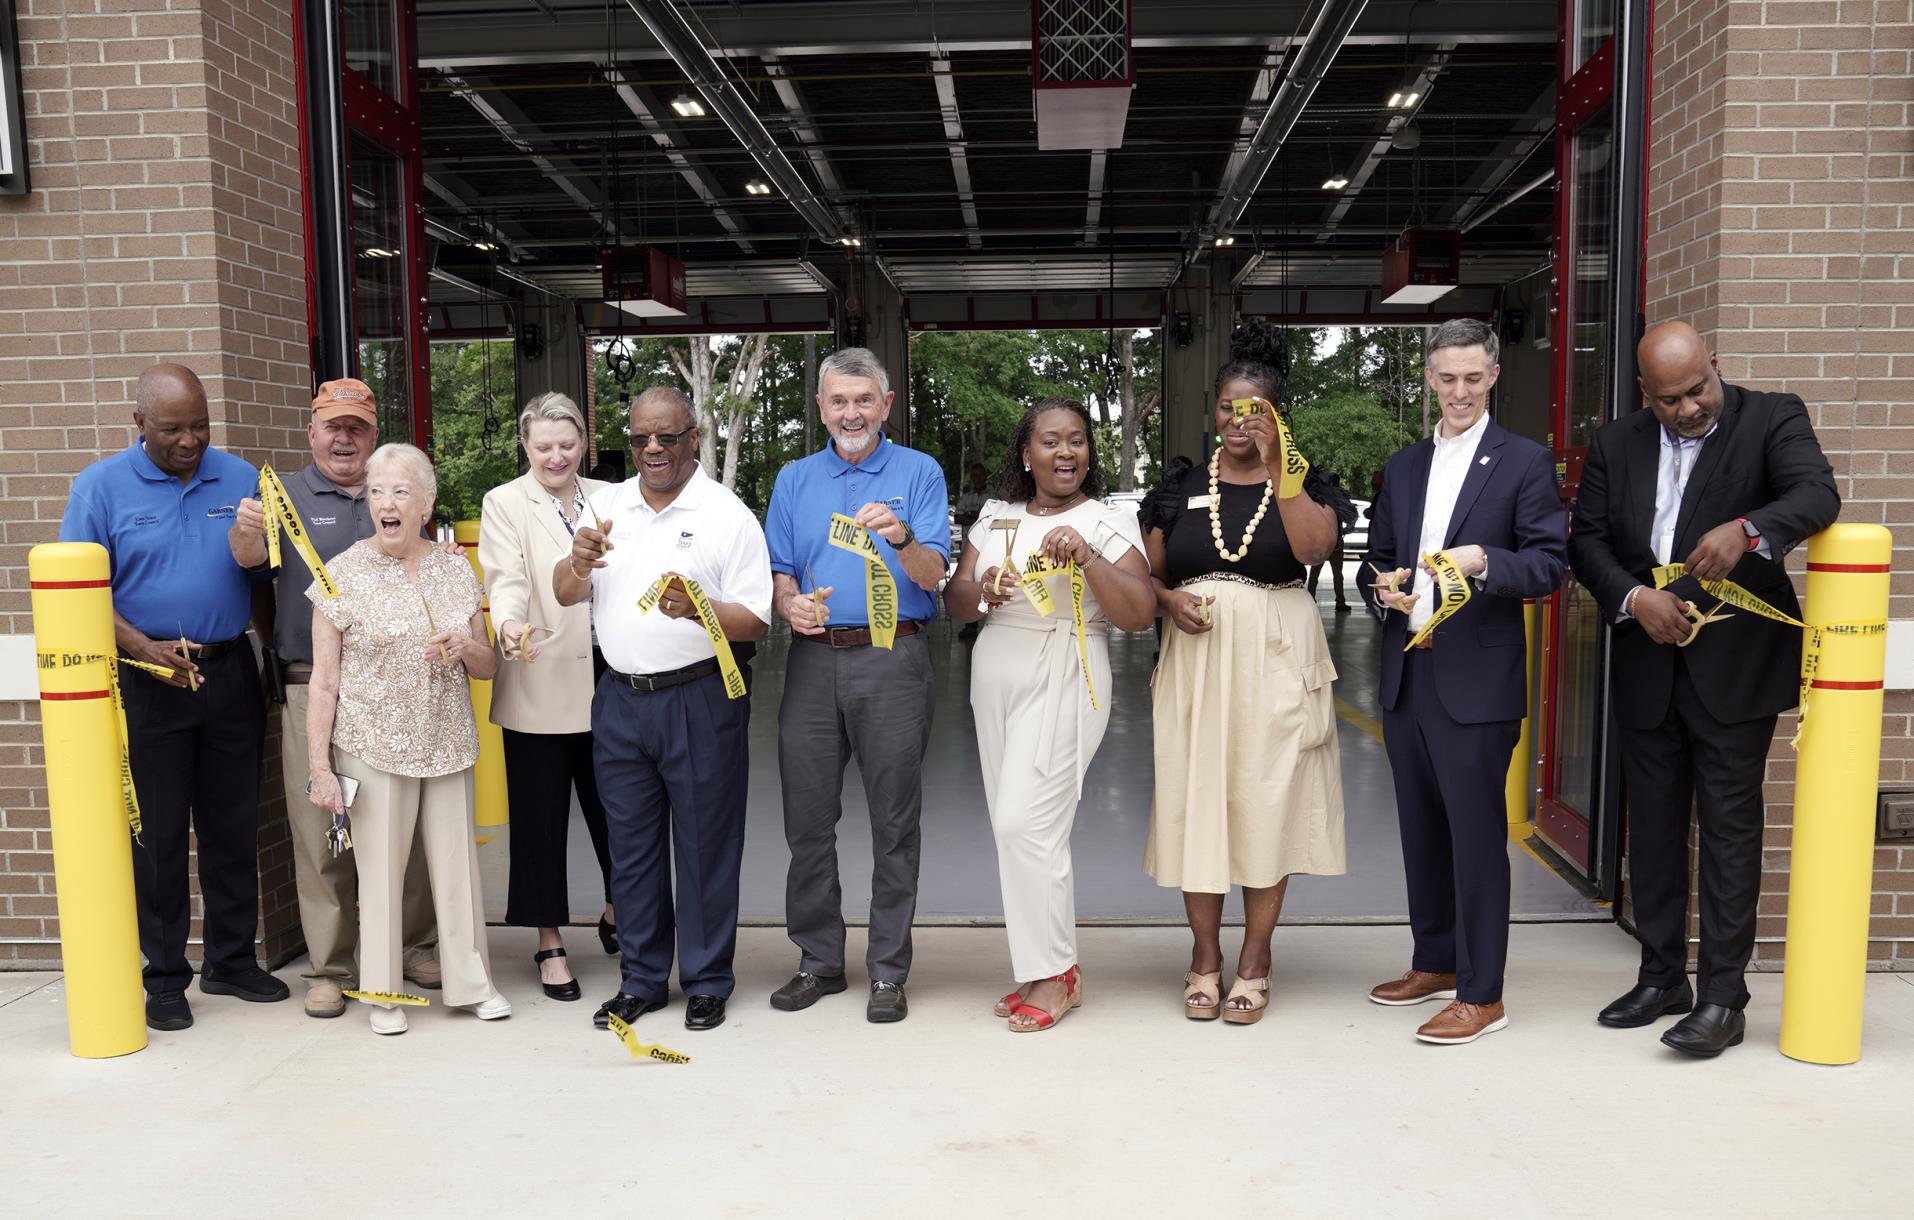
pixel 910 536
pixel 1748 528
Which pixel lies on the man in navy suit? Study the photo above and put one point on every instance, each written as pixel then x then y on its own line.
pixel 1453 703
pixel 1725 481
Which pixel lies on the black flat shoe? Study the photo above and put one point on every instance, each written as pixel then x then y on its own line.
pixel 1644 1004
pixel 168 1010
pixel 704 1011
pixel 247 982
pixel 608 936
pixel 886 1004
pixel 1707 1031
pixel 567 990
pixel 805 990
pixel 628 1008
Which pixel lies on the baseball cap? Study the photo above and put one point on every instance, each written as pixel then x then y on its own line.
pixel 346 396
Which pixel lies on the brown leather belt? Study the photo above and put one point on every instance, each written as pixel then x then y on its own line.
pixel 213 651
pixel 1425 643
pixel 854 637
pixel 298 673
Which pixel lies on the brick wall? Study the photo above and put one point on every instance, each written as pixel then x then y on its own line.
pixel 164 224
pixel 1781 223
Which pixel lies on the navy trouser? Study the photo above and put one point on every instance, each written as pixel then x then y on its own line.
pixel 672 767
pixel 1453 809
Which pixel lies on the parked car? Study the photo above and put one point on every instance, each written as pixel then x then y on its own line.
pixel 1356 541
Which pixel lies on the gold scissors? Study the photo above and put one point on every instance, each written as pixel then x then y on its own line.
pixel 1701 620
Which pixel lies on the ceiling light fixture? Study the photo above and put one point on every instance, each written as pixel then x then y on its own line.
pixel 757 187
pixel 1225 241
pixel 850 241
pixel 687 107
pixel 1403 99
pixel 1335 183
pixel 487 246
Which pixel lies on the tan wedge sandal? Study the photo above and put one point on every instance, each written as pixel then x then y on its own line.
pixel 1009 1004
pixel 1205 987
pixel 1256 991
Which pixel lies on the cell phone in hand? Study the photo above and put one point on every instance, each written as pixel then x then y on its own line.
pixel 348 788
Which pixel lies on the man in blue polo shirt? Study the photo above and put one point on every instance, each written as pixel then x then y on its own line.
pixel 162 509
pixel 842 696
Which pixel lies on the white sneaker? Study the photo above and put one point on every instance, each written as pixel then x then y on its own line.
pixel 493 1009
pixel 388 1020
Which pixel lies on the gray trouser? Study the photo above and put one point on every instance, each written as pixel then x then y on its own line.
pixel 876 705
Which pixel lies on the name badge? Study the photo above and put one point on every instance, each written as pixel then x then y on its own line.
pixel 1197 502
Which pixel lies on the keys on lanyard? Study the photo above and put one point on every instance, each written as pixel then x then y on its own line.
pixel 338 837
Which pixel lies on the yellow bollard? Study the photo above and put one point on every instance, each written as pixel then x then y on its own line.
pixel 92 844
pixel 1520 785
pixel 1836 777
pixel 489 804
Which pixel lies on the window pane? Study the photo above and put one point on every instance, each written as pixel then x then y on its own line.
pixel 378 284
pixel 372 42
pixel 1592 207
pixel 1594 25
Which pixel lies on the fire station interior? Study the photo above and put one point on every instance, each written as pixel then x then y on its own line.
pixel 864 170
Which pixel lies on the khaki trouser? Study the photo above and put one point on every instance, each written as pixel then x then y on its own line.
pixel 390 812
pixel 328 886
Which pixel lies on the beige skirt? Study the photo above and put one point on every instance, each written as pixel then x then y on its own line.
pixel 1248 772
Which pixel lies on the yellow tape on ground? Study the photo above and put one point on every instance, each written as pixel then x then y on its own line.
pixel 1038 592
pixel 282 514
pixel 1452 593
pixel 629 1036
pixel 1741 599
pixel 387 997
pixel 880 589
pixel 708 619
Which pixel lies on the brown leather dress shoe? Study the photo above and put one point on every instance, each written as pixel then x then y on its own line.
pixel 1413 988
pixel 1461 1022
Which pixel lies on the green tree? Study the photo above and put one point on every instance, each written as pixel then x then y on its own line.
pixel 474 416
pixel 1349 434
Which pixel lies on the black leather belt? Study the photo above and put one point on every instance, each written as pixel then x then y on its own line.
pixel 671 677
pixel 853 637
pixel 212 652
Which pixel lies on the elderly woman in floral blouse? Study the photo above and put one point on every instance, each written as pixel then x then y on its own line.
pixel 390 709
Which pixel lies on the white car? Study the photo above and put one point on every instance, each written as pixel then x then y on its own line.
pixel 1356 540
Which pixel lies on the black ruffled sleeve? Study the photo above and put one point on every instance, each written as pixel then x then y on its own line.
pixel 1326 489
pixel 1161 508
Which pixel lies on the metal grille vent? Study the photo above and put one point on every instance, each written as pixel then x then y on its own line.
pixel 1082 40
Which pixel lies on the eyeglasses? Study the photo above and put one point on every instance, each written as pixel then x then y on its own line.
pixel 666 440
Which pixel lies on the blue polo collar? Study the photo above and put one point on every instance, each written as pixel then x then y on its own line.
pixel 144 467
pixel 872 464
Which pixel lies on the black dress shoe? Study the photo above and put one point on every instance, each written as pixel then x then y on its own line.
pixel 168 1010
pixel 608 936
pixel 1707 1031
pixel 704 1011
pixel 567 990
pixel 805 990
pixel 628 1007
pixel 1643 1004
pixel 249 983
pixel 886 1004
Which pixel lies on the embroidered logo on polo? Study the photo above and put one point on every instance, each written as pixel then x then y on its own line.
pixel 684 540
pixel 146 519
pixel 220 512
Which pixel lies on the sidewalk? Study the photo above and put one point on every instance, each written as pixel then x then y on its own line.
pixel 1327 1108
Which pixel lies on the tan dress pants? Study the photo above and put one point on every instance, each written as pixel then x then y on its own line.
pixel 389 812
pixel 329 885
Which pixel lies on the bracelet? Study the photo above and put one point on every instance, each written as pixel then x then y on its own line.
pixel 576 575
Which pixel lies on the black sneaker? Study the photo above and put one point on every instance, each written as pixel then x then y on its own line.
pixel 168 1010
pixel 887 1004
pixel 806 989
pixel 247 982
pixel 628 1007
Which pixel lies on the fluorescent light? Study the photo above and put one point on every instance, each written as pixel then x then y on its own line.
pixel 487 246
pixel 1410 99
pixel 377 252
pixel 1395 99
pixel 1335 183
pixel 757 187
pixel 1225 241
pixel 849 241
pixel 688 107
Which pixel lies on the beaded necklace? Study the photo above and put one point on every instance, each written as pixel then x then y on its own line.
pixel 1216 511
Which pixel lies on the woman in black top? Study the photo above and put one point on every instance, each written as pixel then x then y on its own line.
pixel 1248 776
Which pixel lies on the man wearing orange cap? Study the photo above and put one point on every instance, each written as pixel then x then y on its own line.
pixel 329 495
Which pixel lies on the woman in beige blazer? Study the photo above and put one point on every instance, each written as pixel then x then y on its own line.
pixel 542 695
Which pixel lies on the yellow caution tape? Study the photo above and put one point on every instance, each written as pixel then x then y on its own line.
pixel 129 797
pixel 708 619
pixel 1035 588
pixel 387 997
pixel 1740 598
pixel 282 514
pixel 880 589
pixel 1295 465
pixel 1452 593
pixel 629 1036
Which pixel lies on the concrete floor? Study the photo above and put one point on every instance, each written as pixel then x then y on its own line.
pixel 959 879
pixel 1328 1108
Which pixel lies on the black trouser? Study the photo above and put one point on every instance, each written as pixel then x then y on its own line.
pixel 1452 805
pixel 1690 757
pixel 540 772
pixel 196 758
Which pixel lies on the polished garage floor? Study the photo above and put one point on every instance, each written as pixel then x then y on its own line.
pixel 959 878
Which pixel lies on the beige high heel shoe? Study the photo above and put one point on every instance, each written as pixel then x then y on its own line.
pixel 1256 991
pixel 1202 986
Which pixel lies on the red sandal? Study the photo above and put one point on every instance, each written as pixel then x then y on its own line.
pixel 1072 979
pixel 1009 1004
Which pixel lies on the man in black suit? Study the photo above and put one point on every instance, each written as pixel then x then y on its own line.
pixel 1453 703
pixel 1725 481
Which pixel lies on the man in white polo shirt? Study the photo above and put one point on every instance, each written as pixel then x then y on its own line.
pixel 670 715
